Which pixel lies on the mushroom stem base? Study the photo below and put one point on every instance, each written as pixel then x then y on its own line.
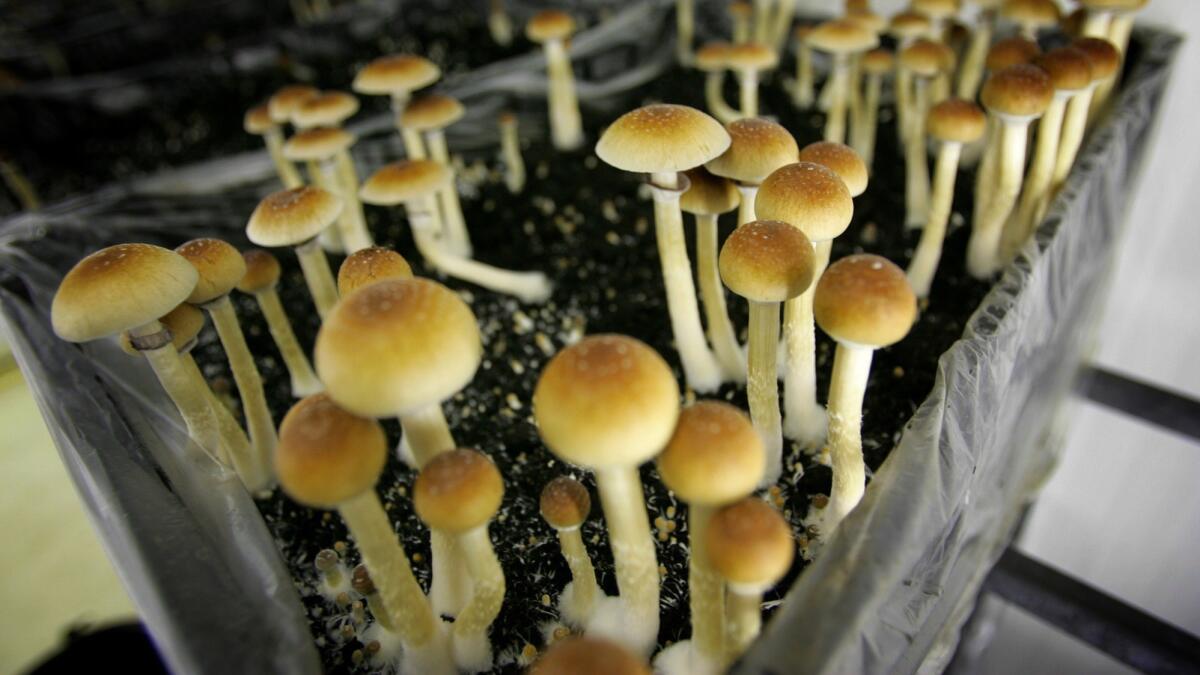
pixel 304 380
pixel 712 293
pixel 632 545
pixel 762 388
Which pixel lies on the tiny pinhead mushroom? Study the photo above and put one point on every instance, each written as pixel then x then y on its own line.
pixel 588 656
pixel 565 504
pixel 840 159
pixel 370 265
pixel 757 147
pixel 295 218
pixel 552 28
pixel 260 280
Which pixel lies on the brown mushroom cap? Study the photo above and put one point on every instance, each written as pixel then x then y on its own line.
pixel 708 195
pixel 291 217
pixel 404 181
pixel 118 288
pixel 1017 91
pixel 936 9
pixel 185 322
pixel 909 26
pixel 713 56
pixel 842 36
pixel 714 457
pixel 1070 69
pixel 924 58
pixel 840 159
pixel 757 147
pixel 549 24
pixel 751 56
pixel 262 271
pixel 588 656
pixel 284 102
pixel 368 265
pixel 662 137
pixel 565 503
pixel 431 111
pixel 317 144
pixel 257 120
pixel 750 544
pixel 219 265
pixel 956 120
pixel 395 73
pixel 767 261
pixel 327 455
pixel 808 196
pixel 1104 57
pixel 878 62
pixel 876 23
pixel 458 491
pixel 606 401
pixel 1012 51
pixel 866 300
pixel 397 346
pixel 326 109
pixel 1035 13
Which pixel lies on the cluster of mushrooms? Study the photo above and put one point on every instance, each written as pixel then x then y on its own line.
pixel 396 345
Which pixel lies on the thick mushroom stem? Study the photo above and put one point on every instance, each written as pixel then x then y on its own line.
pixel 366 586
pixel 288 174
pixel 983 249
pixel 803 93
pixel 577 608
pixel 804 419
pixel 317 276
pixel 356 236
pixel 1074 127
pixel 237 452
pixel 705 589
pixel 746 207
pixel 869 119
pixel 835 122
pixel 720 328
pixel 633 552
pixel 714 81
pixel 851 368
pixel 566 125
pixel 762 388
pixel 1024 219
pixel 748 91
pixel 743 620
pixel 700 367
pixel 685 30
pixel 154 342
pixel 923 266
pixel 304 380
pixel 970 75
pixel 510 150
pixel 414 147
pixel 457 238
pixel 472 650
pixel 916 168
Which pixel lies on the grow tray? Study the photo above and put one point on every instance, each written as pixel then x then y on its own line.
pixel 958 404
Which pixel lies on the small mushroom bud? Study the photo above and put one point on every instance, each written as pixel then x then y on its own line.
pixel 334 581
pixel 397 76
pixel 565 505
pixel 261 280
pixel 757 148
pixel 552 28
pixel 295 218
pixel 360 580
pixel 842 39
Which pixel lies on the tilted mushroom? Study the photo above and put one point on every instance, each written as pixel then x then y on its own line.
pixel 398 76
pixel 757 147
pixel 370 265
pixel 332 109
pixel 294 218
pixel 430 114
pixel 327 151
pixel 260 280
pixel 552 28
pixel 258 122
pixel 841 39
pixel 970 75
pixel 283 102
pixel 565 505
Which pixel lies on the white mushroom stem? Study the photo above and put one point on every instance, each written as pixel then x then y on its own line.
pixel 330 237
pixel 317 276
pixel 685 30
pixel 762 20
pixel 190 400
pixel 578 608
pixel 238 455
pixel 414 147
pixel 743 616
pixel 970 75
pixel 916 167
pixel 471 626
pixel 1119 31
pixel 853 91
pixel 288 175
pixel 762 388
pixel 712 293
pixel 514 163
pixel 748 88
pixel 851 368
pixel 566 125
pixel 923 266
pixel 803 95
pixel 499 25
pixel 1074 127
pixel 749 192
pixel 357 237
pixel 250 387
pixel 427 433
pixel 983 249
pixel 804 419
pixel 868 120
pixel 457 239
pixel 304 380
pixel 1024 219
pixel 633 553
pixel 985 176
pixel 835 121
pixel 705 589
pixel 714 82
pixel 700 367
pixel 785 11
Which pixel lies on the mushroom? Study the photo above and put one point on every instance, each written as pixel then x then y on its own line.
pixel 332 573
pixel 814 199
pixel 802 93
pixel 781 23
pixel 457 493
pixel 324 109
pixel 970 75
pixel 552 28
pixel 388 646
pixel 397 76
pixel 565 505
pixel 332 109
pixel 294 218
pixel 1031 15
pixel 662 140
pixel 842 39
pixel 757 147
pixel 258 122
pixel 329 458
pixel 1007 52
pixel 588 656
pixel 848 165
pixel 752 547
pixel 953 122
pixel 1106 62
pixel 747 60
pixel 369 265
pixel 260 280
pixel 876 63
pixel 906 28
pixel 685 30
pixel 712 59
pixel 714 458
pixel 499 25
pixel 326 150
pixel 864 303
pixel 414 183
pixel 939 13
pixel 707 197
pixel 766 262
pixel 283 102
pixel 510 151
pixel 923 60
pixel 430 114
pixel 740 13
pixel 609 403
pixel 1014 96
pixel 220 268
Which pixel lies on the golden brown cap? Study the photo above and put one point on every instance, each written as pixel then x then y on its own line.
pixel 956 120
pixel 291 217
pixel 1012 51
pixel 840 159
pixel 317 144
pixel 397 346
pixel 715 455
pixel 808 196
pixel 708 195
pixel 865 300
pixel 457 491
pixel 876 23
pixel 258 120
pixel 750 545
pixel 740 10
pixel 395 73
pixel 327 109
pixel 185 322
pixel 757 147
pixel 878 62
pixel 119 288
pixel 431 111
pixel 262 271
pixel 1017 91
pixel 606 401
pixel 924 58
pixel 936 9
pixel 219 265
pixel 767 261
pixel 842 36
pixel 284 102
pixel 588 656
pixel 368 265
pixel 713 56
pixel 549 24
pixel 1113 5
pixel 662 137
pixel 909 26
pixel 1070 69
pixel 327 455
pixel 1104 57
pixel 404 181
pixel 565 503
pixel 360 579
pixel 751 56
pixel 1033 14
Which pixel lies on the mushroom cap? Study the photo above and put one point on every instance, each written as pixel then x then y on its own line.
pixel 909 25
pixel 714 457
pixel 878 62
pixel 262 271
pixel 1104 57
pixel 757 147
pixel 808 196
pixel 549 24
pixel 507 119
pixel 751 56
pixel 185 322
pixel 395 73
pixel 283 102
pixel 291 217
pixel 662 137
pixel 606 401
pixel 876 23
pixel 396 346
pixel 802 31
pixel 750 544
pixel 1011 51
pixel 712 56
pixel 865 300
pixel 368 265
pixel 840 159
pixel 404 181
pixel 1034 13
pixel 326 454
pixel 119 288
pixel 842 36
pixel 1017 91
pixel 956 120
pixel 708 195
pixel 740 10
pixel 257 120
pixel 767 261
pixel 936 9
pixel 565 503
pixel 431 111
pixel 588 656
pixel 458 491
pixel 924 58
pixel 317 144
pixel 986 4
pixel 219 265
pixel 1070 69
pixel 327 109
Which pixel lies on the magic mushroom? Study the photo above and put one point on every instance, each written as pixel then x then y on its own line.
pixel 258 122
pixel 327 150
pixel 398 76
pixel 283 102
pixel 552 28
pixel 565 505
pixel 430 114
pixel 1007 52
pixel 588 656
pixel 876 64
pixel 713 60
pixel 295 218
pixel 1106 62
pixel 922 60
pixel 802 92
pixel 757 147
pixel 260 280
pixel 970 75
pixel 370 265
pixel 842 39
pixel 1031 15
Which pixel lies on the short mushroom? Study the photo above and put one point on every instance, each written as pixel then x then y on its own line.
pixel 261 280
pixel 747 60
pixel 876 64
pixel 294 218
pixel 565 505
pixel 430 114
pixel 370 265
pixel 510 151
pixel 1106 62
pixel 841 39
pixel 757 147
pixel 397 76
pixel 588 656
pixel 258 122
pixel 552 28
pixel 326 150
pixel 712 60
pixel 332 577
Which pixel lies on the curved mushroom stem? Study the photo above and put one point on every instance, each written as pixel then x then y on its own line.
pixel 633 554
pixel 917 169
pixel 983 249
pixel 685 30
pixel 706 594
pixel 970 75
pixel 762 389
pixel 577 608
pixel 356 236
pixel 714 82
pixel 1024 218
pixel 804 421
pixel 851 368
pixel 304 380
pixel 868 120
pixel 237 452
pixel 746 206
pixel 514 164
pixel 529 287
pixel 803 95
pixel 712 293
pixel 748 89
pixel 472 650
pixel 190 400
pixel 835 122
pixel 288 174
pixel 929 251
pixel 566 126
pixel 1074 127
pixel 458 241
pixel 743 617
pixel 317 276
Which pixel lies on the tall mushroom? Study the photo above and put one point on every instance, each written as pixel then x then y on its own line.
pixel 327 151
pixel 757 147
pixel 397 76
pixel 258 122
pixel 1105 62
pixel 588 656
pixel 332 109
pixel 748 60
pixel 803 95
pixel 740 14
pixel 713 60
pixel 877 64
pixel 922 60
pixel 970 74
pixel 841 39
pixel 552 28
pixel 431 114
pixel 295 218
pixel 1007 52
pixel 906 28
pixel 260 280
pixel 565 505
pixel 369 265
